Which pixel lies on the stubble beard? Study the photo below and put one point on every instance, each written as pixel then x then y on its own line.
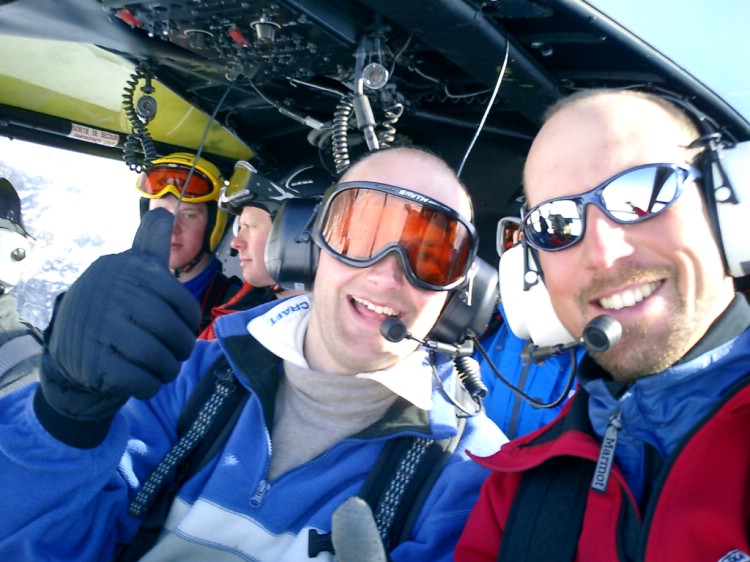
pixel 650 347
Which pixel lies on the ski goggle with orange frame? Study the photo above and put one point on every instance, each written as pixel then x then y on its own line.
pixel 164 179
pixel 359 223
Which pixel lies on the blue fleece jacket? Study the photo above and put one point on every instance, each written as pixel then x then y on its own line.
pixel 62 503
pixel 545 382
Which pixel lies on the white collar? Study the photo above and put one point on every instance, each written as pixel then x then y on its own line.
pixel 282 330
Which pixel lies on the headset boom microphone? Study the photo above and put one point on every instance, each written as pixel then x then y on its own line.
pixel 598 335
pixel 394 330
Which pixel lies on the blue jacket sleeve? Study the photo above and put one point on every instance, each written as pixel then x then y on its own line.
pixel 59 502
pixel 64 503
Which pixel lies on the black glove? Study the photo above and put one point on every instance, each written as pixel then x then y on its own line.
pixel 121 330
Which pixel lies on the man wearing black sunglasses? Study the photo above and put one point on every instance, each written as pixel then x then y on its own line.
pixel 322 396
pixel 650 460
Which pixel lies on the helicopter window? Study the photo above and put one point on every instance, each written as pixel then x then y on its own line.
pixel 77 207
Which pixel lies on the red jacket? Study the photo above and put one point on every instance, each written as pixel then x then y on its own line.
pixel 247 297
pixel 700 512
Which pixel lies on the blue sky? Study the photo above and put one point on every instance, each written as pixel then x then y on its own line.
pixel 709 38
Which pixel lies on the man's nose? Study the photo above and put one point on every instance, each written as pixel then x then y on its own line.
pixel 237 243
pixel 387 271
pixel 605 241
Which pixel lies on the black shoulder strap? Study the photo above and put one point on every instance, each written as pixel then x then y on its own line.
pixel 402 478
pixel 14 352
pixel 220 379
pixel 397 487
pixel 546 517
pixel 430 469
pixel 33 330
pixel 223 423
pixel 199 396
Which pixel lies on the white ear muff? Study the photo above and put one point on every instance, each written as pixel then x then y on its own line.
pixel 529 311
pixel 733 212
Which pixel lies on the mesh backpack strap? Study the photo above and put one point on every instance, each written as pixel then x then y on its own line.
pixel 219 404
pixel 396 487
pixel 435 459
pixel 402 478
pixel 372 490
pixel 211 413
pixel 16 350
pixel 205 424
pixel 392 499
pixel 546 517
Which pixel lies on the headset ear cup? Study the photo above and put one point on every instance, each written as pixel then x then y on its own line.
pixel 291 256
pixel 468 310
pixel 528 310
pixel 732 210
pixel 725 163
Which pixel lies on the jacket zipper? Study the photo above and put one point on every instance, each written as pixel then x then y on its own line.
pixel 260 492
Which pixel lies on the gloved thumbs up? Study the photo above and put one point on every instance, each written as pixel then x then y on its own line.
pixel 355 534
pixel 120 331
pixel 154 234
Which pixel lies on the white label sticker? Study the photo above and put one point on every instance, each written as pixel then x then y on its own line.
pixel 94 136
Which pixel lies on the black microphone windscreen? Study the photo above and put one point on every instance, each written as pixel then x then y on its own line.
pixel 354 533
pixel 602 333
pixel 393 329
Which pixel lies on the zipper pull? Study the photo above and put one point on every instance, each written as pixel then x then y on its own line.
pixel 607 454
pixel 260 491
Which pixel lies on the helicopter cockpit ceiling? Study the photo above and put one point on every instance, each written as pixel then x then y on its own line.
pixel 323 81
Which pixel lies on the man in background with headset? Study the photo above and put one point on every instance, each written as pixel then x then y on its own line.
pixel 326 394
pixel 20 342
pixel 522 395
pixel 254 201
pixel 650 460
